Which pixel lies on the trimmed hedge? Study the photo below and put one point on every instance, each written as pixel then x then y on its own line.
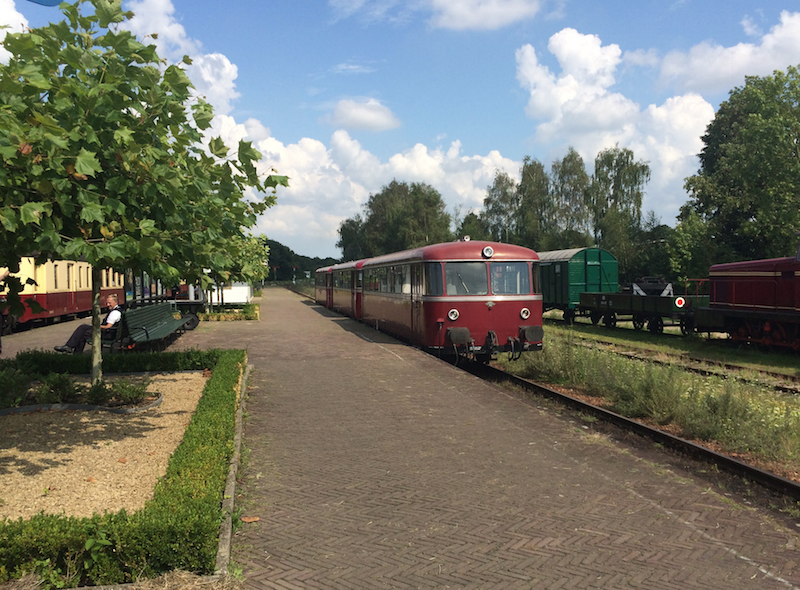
pixel 177 529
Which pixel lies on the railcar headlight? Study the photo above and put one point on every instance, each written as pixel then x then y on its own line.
pixel 453 315
pixel 488 252
pixel 525 313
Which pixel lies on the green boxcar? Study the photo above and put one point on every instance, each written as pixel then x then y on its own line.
pixel 565 274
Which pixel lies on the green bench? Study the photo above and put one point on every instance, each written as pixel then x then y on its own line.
pixel 145 325
pixel 151 323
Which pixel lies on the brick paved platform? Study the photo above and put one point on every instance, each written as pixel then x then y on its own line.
pixel 374 465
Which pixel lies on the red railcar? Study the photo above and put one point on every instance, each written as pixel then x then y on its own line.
pixel 473 297
pixel 757 301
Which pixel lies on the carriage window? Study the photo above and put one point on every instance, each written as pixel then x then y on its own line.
pixel 401 279
pixel 383 277
pixel 537 284
pixel 466 278
pixel 510 278
pixel 433 278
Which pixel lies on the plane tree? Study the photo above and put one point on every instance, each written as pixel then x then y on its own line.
pixel 105 158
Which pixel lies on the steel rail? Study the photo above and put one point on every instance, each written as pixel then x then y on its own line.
pixel 764 478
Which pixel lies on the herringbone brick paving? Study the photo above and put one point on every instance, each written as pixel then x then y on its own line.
pixel 373 465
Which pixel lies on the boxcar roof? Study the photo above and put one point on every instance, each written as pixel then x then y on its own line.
pixel 470 250
pixel 559 255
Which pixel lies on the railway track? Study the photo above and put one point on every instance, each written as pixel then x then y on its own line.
pixel 723 462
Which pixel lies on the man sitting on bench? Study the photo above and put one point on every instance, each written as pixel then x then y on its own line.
pixel 83 332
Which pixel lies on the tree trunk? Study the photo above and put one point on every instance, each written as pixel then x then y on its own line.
pixel 97 337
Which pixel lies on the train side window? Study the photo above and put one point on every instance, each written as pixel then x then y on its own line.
pixel 383 277
pixel 466 278
pixel 55 276
pixel 433 278
pixel 510 278
pixel 406 288
pixel 537 285
pixel 397 279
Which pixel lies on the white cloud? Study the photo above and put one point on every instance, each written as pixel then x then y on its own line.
pixel 445 14
pixel 14 23
pixel 481 14
pixel 330 184
pixel 368 114
pixel 157 16
pixel 213 75
pixel 577 107
pixel 708 67
pixel 751 29
pixel 349 68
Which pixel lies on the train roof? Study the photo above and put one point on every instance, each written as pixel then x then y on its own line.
pixel 745 265
pixel 568 254
pixel 461 250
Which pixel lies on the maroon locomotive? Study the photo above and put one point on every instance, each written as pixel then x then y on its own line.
pixel 756 301
pixel 468 297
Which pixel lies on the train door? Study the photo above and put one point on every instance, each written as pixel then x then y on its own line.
pixel 358 281
pixel 329 290
pixel 417 315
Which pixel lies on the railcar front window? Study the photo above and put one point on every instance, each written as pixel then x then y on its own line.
pixel 466 278
pixel 510 278
pixel 433 278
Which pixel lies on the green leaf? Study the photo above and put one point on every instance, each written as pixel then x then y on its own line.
pixel 107 13
pixel 92 212
pixel 203 114
pixel 57 140
pixel 123 136
pixel 149 247
pixel 147 226
pixel 218 147
pixel 32 212
pixel 48 122
pixel 87 163
pixel 8 217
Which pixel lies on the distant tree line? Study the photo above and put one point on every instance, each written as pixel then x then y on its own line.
pixel 744 201
pixel 285 263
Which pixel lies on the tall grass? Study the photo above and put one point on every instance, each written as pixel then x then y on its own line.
pixel 741 417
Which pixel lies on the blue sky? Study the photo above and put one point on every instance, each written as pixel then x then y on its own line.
pixel 345 95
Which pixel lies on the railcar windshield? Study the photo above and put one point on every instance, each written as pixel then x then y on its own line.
pixel 466 278
pixel 511 278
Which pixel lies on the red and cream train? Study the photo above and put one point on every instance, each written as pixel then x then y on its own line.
pixel 62 288
pixel 465 297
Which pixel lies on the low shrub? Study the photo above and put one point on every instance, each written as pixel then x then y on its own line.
pixel 15 386
pixel 177 529
pixel 56 388
pixel 128 392
pixel 39 362
pixel 98 393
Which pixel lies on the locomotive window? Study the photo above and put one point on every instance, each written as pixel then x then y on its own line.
pixel 466 278
pixel 433 278
pixel 537 285
pixel 510 278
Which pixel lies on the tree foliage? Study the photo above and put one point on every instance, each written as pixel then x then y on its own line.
pixel 399 217
pixel 747 190
pixel 104 156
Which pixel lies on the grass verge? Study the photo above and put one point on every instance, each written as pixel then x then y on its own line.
pixel 741 418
